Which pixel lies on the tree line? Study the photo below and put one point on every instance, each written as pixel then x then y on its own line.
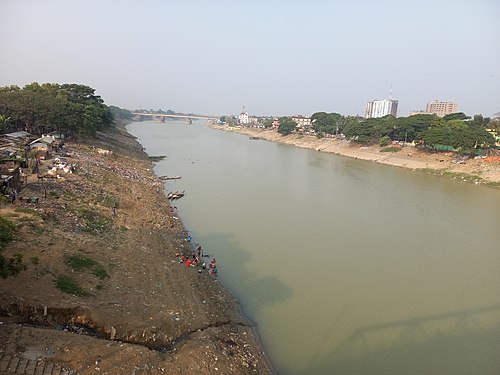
pixel 456 131
pixel 71 109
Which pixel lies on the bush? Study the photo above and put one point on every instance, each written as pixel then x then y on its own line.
pixel 390 149
pixel 384 141
pixel 9 266
pixel 7 229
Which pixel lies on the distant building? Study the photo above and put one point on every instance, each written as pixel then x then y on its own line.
pixel 381 108
pixel 243 118
pixel 276 123
pixel 302 121
pixel 441 108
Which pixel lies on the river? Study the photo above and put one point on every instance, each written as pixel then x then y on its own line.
pixel 345 266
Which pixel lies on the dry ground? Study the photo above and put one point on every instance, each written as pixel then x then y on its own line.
pixel 136 309
pixel 447 164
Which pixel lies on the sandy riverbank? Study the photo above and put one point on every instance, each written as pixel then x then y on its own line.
pixel 145 313
pixel 409 157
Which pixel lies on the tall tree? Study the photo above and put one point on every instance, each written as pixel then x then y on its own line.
pixel 42 108
pixel 286 126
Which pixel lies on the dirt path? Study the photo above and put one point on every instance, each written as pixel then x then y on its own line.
pixel 133 308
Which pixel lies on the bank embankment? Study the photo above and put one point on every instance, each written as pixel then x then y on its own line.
pixel 479 170
pixel 103 290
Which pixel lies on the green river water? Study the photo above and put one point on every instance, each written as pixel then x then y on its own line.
pixel 345 266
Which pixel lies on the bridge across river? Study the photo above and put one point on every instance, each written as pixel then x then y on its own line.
pixel 163 116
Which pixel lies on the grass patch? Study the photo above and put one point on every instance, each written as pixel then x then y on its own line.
pixel 13 265
pixel 94 221
pixel 11 214
pixel 53 194
pixel 465 177
pixel 108 200
pixel 123 228
pixel 69 195
pixel 7 230
pixel 157 158
pixel 35 260
pixel 35 228
pixel 493 184
pixel 81 263
pixel 68 285
pixel 390 149
pixel 24 210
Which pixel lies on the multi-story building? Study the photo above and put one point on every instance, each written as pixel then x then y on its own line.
pixel 243 118
pixel 302 121
pixel 441 108
pixel 381 108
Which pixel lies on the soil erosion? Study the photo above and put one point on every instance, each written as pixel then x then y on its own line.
pixel 103 291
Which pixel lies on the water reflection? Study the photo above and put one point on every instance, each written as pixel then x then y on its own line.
pixel 316 246
pixel 235 268
pixel 449 343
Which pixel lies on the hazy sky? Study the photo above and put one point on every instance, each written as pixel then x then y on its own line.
pixel 273 57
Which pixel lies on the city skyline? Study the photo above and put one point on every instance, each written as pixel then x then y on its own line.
pixel 278 58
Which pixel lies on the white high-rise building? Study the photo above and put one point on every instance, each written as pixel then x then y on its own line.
pixel 381 108
pixel 243 117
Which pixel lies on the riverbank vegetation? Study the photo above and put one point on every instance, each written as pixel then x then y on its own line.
pixel 70 109
pixel 455 132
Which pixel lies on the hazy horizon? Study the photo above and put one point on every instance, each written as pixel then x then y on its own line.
pixel 274 58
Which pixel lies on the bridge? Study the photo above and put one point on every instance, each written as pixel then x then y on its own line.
pixel 163 116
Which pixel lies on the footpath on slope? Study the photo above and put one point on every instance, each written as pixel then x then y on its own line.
pixel 103 291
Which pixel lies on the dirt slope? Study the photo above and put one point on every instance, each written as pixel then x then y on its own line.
pixel 132 308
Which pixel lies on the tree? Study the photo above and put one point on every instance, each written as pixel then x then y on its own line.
pixel 456 116
pixel 66 108
pixel 4 124
pixel 480 121
pixel 457 134
pixel 227 120
pixel 286 126
pixel 120 113
pixel 329 123
pixel 268 122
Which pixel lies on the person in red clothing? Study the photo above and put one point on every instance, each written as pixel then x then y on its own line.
pixel 188 263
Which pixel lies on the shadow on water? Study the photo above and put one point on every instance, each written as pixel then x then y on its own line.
pixel 458 342
pixel 235 275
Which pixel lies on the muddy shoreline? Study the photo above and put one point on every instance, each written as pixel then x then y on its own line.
pixel 143 312
pixel 477 171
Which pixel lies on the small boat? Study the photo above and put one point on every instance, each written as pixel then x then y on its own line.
pixel 170 177
pixel 255 138
pixel 175 195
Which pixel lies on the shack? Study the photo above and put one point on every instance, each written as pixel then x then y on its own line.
pixel 10 179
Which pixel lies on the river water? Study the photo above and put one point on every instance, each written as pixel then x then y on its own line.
pixel 345 266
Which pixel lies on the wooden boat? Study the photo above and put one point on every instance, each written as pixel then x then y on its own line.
pixel 170 177
pixel 175 195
